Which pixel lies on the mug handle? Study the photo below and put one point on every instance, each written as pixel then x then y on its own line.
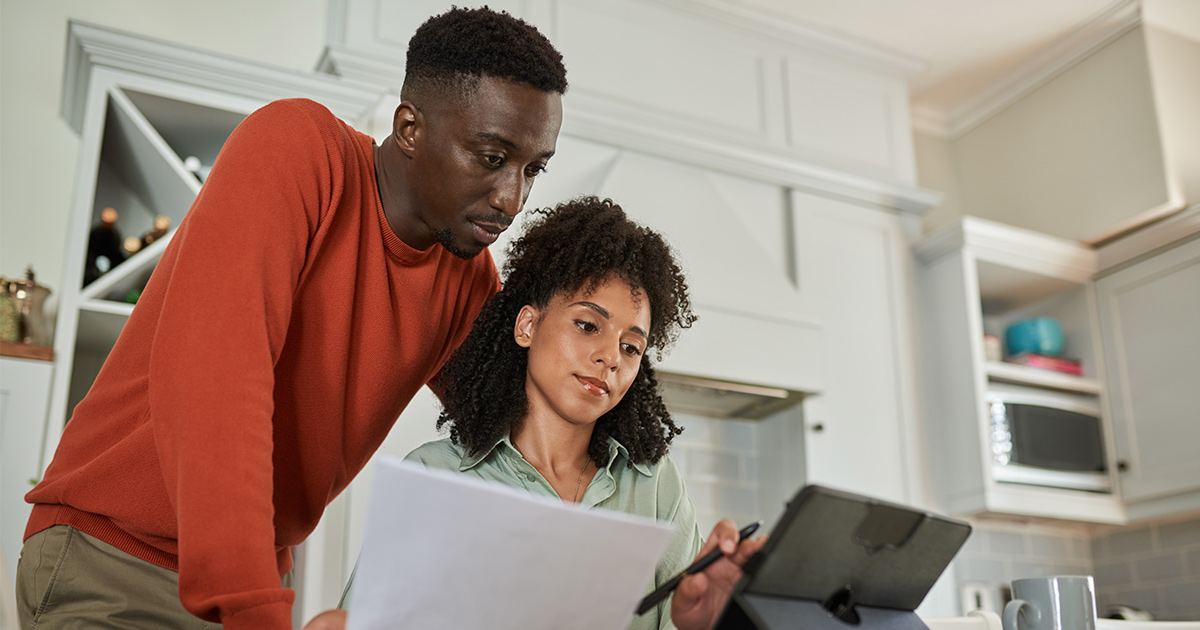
pixel 1012 611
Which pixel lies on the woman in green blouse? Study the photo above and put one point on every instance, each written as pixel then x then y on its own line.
pixel 554 391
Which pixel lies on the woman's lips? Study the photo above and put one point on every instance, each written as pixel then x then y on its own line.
pixel 593 385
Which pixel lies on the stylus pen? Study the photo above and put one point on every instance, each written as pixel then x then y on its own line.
pixel 663 591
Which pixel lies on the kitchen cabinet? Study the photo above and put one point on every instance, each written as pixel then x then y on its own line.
pixel 1149 315
pixel 24 395
pixel 854 266
pixel 977 277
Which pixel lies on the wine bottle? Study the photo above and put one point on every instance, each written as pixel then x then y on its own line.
pixel 162 223
pixel 104 247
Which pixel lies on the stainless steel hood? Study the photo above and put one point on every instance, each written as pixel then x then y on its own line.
pixel 724 399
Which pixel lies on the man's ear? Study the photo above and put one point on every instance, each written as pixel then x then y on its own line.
pixel 524 327
pixel 408 127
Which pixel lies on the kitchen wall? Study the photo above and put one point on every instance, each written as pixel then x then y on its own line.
pixel 1073 158
pixel 719 459
pixel 38 154
pixel 1154 566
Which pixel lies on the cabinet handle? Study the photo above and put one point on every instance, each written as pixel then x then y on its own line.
pixel 1122 465
pixel 818 427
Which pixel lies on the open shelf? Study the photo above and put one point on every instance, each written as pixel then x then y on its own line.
pixel 1035 377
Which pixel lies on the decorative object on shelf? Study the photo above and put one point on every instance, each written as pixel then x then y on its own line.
pixel 104 247
pixel 132 295
pixel 131 245
pixel 1040 335
pixel 196 167
pixel 27 298
pixel 992 348
pixel 162 223
pixel 1043 362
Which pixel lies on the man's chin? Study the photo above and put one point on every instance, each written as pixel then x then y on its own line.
pixel 446 239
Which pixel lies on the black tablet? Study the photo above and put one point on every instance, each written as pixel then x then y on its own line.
pixel 841 560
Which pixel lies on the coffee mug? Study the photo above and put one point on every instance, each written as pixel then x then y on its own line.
pixel 1065 602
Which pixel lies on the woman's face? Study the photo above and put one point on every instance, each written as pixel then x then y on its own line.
pixel 584 350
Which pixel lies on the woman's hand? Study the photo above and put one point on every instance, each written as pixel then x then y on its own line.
pixel 328 620
pixel 700 598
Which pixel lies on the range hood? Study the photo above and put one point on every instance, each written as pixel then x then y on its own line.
pixel 724 399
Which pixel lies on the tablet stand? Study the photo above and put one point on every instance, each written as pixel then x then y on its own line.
pixel 840 561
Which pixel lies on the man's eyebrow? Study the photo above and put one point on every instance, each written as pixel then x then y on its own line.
pixel 491 136
pixel 495 137
pixel 603 311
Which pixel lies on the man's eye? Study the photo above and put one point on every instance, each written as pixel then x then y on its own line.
pixel 534 170
pixel 493 160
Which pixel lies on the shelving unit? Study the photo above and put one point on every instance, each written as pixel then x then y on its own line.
pixel 141 107
pixel 978 277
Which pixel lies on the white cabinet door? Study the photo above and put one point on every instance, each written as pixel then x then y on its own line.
pixel 855 262
pixel 24 396
pixel 1150 326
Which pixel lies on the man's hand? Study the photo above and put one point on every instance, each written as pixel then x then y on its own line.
pixel 328 620
pixel 700 598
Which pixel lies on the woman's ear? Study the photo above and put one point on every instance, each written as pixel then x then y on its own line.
pixel 524 326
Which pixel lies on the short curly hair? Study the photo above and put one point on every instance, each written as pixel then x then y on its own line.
pixel 457 48
pixel 575 246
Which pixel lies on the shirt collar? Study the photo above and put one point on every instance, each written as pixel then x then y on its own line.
pixel 616 451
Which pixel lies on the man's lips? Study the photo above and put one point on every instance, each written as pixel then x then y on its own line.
pixel 487 232
pixel 593 385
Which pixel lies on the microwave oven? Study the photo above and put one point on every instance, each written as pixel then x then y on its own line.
pixel 1046 438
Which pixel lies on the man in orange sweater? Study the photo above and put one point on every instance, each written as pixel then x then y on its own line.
pixel 317 282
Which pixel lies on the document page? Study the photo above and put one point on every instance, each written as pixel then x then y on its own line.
pixel 445 550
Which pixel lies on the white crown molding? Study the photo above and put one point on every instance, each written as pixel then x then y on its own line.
pixel 592 121
pixel 90 46
pixel 1012 246
pixel 351 63
pixel 930 121
pixel 795 34
pixel 1116 20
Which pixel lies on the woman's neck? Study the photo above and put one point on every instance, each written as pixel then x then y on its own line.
pixel 556 449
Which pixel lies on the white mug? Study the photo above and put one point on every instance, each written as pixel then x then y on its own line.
pixel 1065 602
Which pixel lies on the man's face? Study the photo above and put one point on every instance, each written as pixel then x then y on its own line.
pixel 477 160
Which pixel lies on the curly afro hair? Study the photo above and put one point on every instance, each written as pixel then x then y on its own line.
pixel 457 48
pixel 575 246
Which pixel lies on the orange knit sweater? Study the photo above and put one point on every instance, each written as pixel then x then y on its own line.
pixel 281 335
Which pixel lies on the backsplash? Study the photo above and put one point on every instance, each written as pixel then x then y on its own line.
pixel 998 553
pixel 1154 567
pixel 719 462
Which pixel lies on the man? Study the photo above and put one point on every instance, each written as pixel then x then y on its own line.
pixel 317 282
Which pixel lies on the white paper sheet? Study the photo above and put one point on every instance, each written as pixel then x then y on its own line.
pixel 444 550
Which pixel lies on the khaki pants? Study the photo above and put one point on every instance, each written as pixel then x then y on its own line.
pixel 67 579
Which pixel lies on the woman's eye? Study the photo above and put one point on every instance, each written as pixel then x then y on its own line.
pixel 632 350
pixel 585 325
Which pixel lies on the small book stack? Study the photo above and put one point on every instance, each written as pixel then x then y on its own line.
pixel 1043 362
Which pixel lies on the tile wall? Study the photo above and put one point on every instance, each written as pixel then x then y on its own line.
pixel 719 462
pixel 1154 567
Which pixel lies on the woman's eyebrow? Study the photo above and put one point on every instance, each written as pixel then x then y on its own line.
pixel 603 311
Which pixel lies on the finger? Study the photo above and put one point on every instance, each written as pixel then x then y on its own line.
pixel 748 548
pixel 725 533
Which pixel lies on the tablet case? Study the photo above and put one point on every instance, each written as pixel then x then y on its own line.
pixel 841 561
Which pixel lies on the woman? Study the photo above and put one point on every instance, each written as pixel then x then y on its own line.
pixel 554 391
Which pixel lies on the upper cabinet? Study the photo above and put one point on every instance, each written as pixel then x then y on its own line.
pixel 977 278
pixel 703 83
pixel 1149 315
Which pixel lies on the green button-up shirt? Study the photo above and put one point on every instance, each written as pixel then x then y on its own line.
pixel 654 490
